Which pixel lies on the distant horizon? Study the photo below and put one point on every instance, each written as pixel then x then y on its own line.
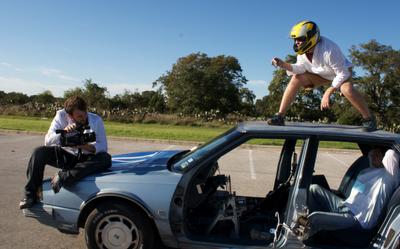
pixel 56 45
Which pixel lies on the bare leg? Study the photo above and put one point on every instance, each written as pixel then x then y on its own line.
pixel 297 81
pixel 355 99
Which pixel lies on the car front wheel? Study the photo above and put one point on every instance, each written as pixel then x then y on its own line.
pixel 111 226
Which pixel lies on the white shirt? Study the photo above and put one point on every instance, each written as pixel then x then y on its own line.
pixel 328 62
pixel 373 189
pixel 62 120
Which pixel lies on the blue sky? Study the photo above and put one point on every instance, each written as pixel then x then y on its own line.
pixel 55 45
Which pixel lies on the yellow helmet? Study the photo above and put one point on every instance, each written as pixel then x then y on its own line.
pixel 308 31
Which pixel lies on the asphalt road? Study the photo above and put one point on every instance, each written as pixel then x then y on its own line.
pixel 245 165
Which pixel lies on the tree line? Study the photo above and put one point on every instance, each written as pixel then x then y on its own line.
pixel 213 88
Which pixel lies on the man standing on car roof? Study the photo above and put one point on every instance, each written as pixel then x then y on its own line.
pixel 319 62
pixel 75 162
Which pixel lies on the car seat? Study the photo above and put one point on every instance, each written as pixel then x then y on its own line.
pixel 351 175
pixel 356 237
pixel 348 179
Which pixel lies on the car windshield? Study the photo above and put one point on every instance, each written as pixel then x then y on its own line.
pixel 192 157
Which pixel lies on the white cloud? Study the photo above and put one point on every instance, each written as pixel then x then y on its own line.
pixel 9 84
pixel 55 73
pixel 39 79
pixel 49 71
pixel 31 87
pixel 5 64
pixel 10 66
pixel 44 71
pixel 31 81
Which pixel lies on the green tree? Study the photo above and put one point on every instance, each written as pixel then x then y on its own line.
pixel 2 97
pixel 262 107
pixel 153 101
pixel 15 98
pixel 380 83
pixel 198 83
pixel 247 102
pixel 94 95
pixel 127 100
pixel 45 97
pixel 343 110
pixel 77 91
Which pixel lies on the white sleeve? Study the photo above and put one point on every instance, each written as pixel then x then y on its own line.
pixel 339 65
pixel 101 139
pixel 51 137
pixel 391 162
pixel 298 67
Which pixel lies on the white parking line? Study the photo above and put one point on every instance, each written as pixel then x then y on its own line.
pixel 338 160
pixel 251 164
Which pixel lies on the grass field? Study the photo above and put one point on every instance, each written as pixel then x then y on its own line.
pixel 146 131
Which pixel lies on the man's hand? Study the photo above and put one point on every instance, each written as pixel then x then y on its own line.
pixel 70 127
pixel 326 98
pixel 276 62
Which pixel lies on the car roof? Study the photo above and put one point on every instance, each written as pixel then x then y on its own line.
pixel 328 131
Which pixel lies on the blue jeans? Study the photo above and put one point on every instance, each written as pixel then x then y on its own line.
pixel 328 211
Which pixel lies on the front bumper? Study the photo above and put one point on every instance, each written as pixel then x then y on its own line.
pixel 64 219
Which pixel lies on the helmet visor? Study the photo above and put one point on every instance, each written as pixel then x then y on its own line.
pixel 300 39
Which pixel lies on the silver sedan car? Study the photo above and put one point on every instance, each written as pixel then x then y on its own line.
pixel 182 199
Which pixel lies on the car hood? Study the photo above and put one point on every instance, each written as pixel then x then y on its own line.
pixel 142 176
pixel 138 163
pixel 142 161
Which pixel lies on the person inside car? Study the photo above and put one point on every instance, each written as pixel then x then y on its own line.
pixel 319 62
pixel 368 197
pixel 75 162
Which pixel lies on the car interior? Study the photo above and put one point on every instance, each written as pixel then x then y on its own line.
pixel 355 238
pixel 214 212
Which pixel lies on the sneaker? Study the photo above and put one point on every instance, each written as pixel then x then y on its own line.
pixel 369 124
pixel 56 183
pixel 26 203
pixel 277 119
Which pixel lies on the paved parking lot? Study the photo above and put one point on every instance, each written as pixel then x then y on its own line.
pixel 245 165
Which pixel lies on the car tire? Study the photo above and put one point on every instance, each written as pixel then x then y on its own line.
pixel 117 225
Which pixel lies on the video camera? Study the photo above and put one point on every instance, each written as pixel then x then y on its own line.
pixel 81 135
